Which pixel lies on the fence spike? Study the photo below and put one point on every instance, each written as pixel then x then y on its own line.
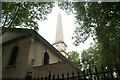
pixel 34 78
pixel 118 71
pixel 41 78
pixel 96 72
pixel 67 76
pixel 45 78
pixel 38 78
pixel 58 77
pixel 53 77
pixel 73 75
pixel 103 72
pixel 78 75
pixel 49 77
pixel 84 74
pixel 111 73
pixel 90 74
pixel 62 76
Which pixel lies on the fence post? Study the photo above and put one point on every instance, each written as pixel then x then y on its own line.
pixel 94 78
pixel 38 78
pixel 111 72
pixel 62 76
pixel 78 75
pixel 103 72
pixel 90 74
pixel 73 75
pixel 67 76
pixel 118 71
pixel 84 74
pixel 53 77
pixel 58 77
pixel 49 77
pixel 96 72
pixel 41 78
pixel 45 78
pixel 33 78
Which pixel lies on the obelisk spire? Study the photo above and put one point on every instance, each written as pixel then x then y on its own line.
pixel 59 44
pixel 59 29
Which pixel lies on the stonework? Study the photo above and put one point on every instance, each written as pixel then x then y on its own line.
pixel 20 66
pixel 30 55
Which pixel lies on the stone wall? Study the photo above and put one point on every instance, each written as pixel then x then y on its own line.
pixel 29 49
pixel 20 68
pixel 53 69
pixel 37 51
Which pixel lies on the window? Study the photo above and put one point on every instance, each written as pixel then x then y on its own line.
pixel 33 62
pixel 46 58
pixel 13 56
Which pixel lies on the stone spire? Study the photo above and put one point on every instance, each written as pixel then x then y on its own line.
pixel 59 43
pixel 59 29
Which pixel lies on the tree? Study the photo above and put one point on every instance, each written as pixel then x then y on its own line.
pixel 100 21
pixel 74 57
pixel 24 14
pixel 92 57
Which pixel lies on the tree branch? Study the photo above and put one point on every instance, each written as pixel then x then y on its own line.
pixel 5 21
pixel 11 23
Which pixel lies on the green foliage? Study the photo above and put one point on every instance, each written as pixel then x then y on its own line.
pixel 67 6
pixel 24 14
pixel 102 22
pixel 74 57
pixel 99 19
pixel 92 57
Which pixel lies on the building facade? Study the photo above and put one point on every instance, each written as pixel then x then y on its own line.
pixel 26 53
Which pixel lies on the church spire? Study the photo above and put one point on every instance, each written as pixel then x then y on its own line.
pixel 59 29
pixel 59 43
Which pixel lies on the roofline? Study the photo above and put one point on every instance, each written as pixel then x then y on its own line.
pixel 63 51
pixel 59 42
pixel 15 39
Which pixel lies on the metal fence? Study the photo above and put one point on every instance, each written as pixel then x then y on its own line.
pixel 101 73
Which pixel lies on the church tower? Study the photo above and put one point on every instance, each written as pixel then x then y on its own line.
pixel 59 43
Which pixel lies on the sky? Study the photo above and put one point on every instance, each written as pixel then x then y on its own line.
pixel 47 29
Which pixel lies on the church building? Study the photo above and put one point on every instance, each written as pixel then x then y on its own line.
pixel 26 53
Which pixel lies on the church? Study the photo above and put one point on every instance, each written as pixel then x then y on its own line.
pixel 26 53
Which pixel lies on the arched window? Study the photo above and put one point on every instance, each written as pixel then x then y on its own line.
pixel 46 58
pixel 13 56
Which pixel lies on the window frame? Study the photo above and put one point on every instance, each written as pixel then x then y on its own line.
pixel 46 58
pixel 13 56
